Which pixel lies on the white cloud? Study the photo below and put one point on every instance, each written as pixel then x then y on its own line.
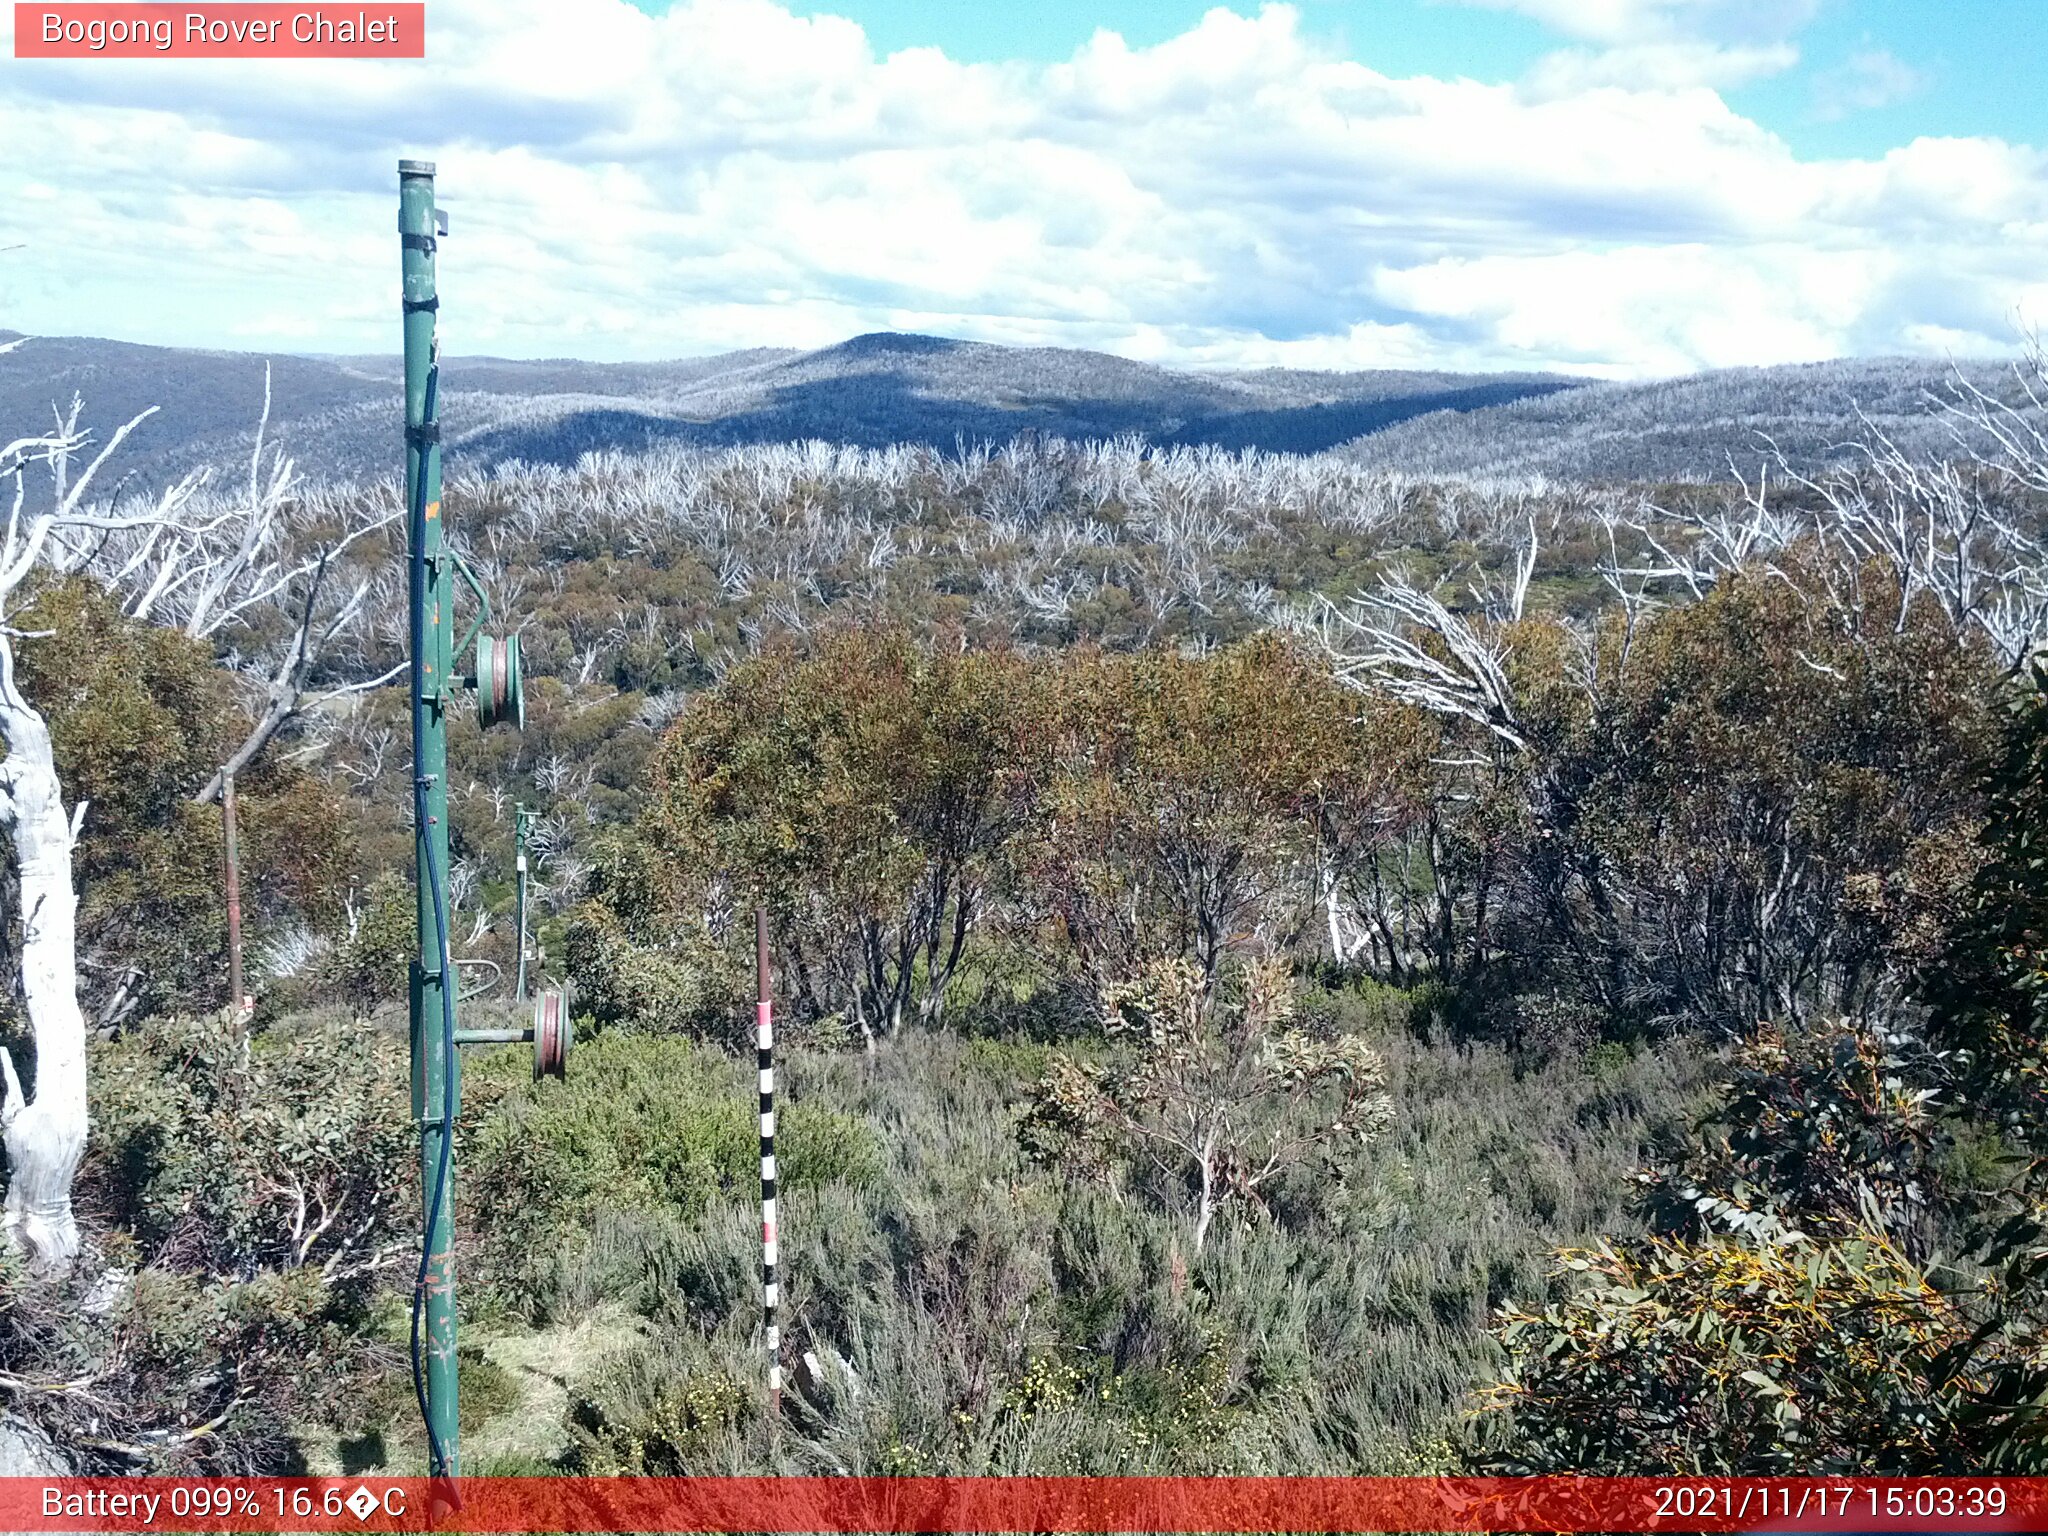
pixel 1619 22
pixel 728 174
pixel 1658 66
pixel 1867 79
pixel 1663 44
pixel 1654 310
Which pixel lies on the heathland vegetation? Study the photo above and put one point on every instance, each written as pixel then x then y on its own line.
pixel 1285 967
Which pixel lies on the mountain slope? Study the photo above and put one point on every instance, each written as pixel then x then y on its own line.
pixel 338 415
pixel 1686 428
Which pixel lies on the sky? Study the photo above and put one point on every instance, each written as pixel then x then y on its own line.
pixel 1616 188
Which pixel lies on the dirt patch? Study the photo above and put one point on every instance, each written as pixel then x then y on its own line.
pixel 527 1434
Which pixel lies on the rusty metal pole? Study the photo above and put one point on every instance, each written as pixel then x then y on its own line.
pixel 764 1021
pixel 234 884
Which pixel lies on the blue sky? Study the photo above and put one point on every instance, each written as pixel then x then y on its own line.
pixel 1621 188
pixel 1977 63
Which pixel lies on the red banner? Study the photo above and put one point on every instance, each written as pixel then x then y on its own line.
pixel 993 1504
pixel 211 29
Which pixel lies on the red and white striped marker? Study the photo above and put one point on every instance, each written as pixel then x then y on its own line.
pixel 764 1040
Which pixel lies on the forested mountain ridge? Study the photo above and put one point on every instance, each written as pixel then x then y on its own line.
pixel 871 391
pixel 336 414
pixel 1691 428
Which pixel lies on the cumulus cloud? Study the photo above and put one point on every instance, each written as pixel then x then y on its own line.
pixel 729 174
pixel 1637 310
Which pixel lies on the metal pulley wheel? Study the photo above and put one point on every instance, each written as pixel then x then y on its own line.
pixel 500 692
pixel 552 1033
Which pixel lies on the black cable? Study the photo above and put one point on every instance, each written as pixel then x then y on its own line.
pixel 437 1456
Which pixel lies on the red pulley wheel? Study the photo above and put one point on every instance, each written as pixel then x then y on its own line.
pixel 500 688
pixel 551 1034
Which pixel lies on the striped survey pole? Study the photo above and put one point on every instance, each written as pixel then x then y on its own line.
pixel 764 1026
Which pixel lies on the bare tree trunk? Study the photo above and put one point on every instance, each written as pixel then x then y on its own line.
pixel 1340 950
pixel 1206 1210
pixel 276 712
pixel 45 1137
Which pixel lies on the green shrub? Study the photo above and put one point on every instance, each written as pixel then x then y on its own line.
pixel 1738 1356
pixel 487 1390
pixel 237 1153
pixel 621 981
pixel 1606 1059
pixel 261 1185
pixel 371 965
pixel 646 1130
pixel 1225 1099
pixel 641 1414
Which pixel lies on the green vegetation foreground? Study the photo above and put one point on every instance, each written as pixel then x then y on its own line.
pixel 1199 1053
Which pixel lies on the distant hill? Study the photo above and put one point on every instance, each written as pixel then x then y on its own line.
pixel 338 415
pixel 1682 429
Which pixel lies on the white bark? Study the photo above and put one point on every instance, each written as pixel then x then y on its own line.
pixel 26 1451
pixel 1373 645
pixel 45 1136
pixel 1205 1211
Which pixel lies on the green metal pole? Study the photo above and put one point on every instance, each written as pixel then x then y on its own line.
pixel 519 819
pixel 436 1078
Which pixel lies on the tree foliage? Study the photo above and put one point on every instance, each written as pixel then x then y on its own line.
pixel 1738 1357
pixel 1989 990
pixel 1835 1130
pixel 371 963
pixel 139 719
pixel 1216 1098
pixel 1805 1318
pixel 1732 816
pixel 862 792
pixel 1188 801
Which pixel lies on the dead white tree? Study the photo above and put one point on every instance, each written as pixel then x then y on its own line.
pixel 258 575
pixel 45 1135
pixel 1405 643
pixel 269 564
pixel 1950 530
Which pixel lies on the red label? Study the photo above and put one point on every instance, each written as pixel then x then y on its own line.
pixel 895 1506
pixel 216 30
